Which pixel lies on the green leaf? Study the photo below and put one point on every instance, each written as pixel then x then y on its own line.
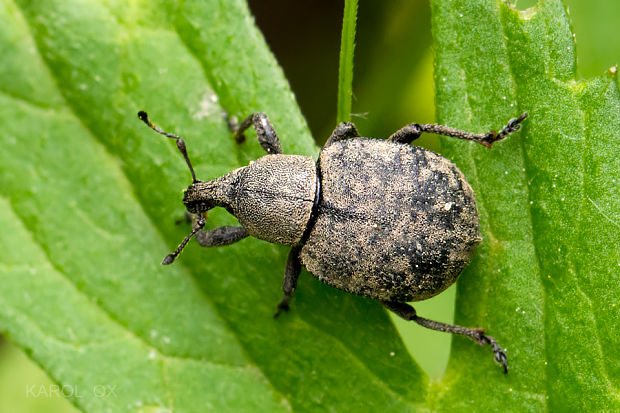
pixel 88 199
pixel 545 280
pixel 89 195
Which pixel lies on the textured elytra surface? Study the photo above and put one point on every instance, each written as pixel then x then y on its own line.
pixel 394 222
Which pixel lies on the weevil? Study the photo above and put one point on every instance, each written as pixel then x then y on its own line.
pixel 378 218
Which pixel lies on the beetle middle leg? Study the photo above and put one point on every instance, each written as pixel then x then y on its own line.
pixel 413 131
pixel 216 237
pixel 221 236
pixel 265 133
pixel 289 283
pixel 407 312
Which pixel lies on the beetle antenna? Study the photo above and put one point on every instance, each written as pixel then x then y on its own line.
pixel 180 142
pixel 169 259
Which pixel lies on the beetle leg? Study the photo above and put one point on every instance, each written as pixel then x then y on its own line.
pixel 344 130
pixel 265 133
pixel 477 334
pixel 221 236
pixel 289 283
pixel 413 131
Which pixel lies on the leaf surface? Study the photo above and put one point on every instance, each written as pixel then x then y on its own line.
pixel 89 197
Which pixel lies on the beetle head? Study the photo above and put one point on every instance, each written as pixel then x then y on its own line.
pixel 194 199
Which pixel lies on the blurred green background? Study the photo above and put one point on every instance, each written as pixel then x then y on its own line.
pixel 393 36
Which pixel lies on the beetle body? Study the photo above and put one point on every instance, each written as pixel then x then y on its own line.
pixel 377 218
pixel 382 219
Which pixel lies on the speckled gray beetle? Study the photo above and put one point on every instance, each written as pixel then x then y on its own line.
pixel 377 218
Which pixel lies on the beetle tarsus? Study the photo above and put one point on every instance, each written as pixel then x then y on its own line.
pixel 499 355
pixel 283 306
pixel 513 125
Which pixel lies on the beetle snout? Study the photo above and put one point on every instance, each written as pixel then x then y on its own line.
pixel 194 201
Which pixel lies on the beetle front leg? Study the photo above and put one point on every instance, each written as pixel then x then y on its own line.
pixel 344 130
pixel 413 131
pixel 221 236
pixel 265 133
pixel 477 334
pixel 289 283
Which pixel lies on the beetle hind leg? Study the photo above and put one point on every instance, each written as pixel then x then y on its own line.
pixel 289 283
pixel 477 334
pixel 413 131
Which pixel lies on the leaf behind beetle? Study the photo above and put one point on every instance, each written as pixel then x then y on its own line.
pixel 545 281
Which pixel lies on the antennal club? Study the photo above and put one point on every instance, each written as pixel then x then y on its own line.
pixel 169 259
pixel 142 115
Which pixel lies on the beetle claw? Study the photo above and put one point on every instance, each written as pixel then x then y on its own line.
pixel 499 355
pixel 500 358
pixel 283 306
pixel 279 311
